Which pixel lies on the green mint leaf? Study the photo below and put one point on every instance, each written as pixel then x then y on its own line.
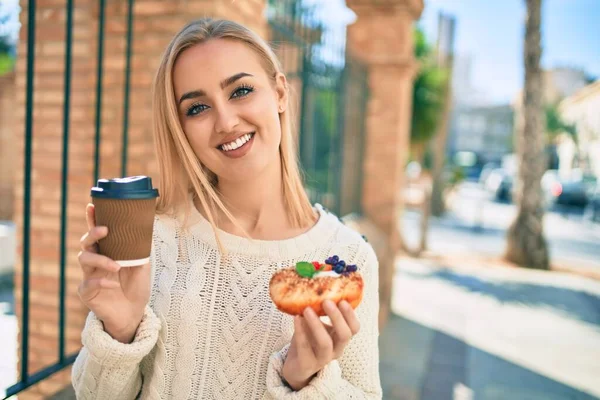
pixel 305 269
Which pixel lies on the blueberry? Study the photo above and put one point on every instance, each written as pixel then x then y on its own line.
pixel 329 261
pixel 352 268
pixel 342 263
pixel 335 259
pixel 338 268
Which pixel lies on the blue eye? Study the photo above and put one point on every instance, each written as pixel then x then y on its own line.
pixel 242 91
pixel 195 109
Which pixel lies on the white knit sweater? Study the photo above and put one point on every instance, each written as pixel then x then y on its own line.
pixel 211 331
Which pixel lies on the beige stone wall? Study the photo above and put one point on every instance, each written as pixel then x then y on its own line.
pixel 155 23
pixel 7 147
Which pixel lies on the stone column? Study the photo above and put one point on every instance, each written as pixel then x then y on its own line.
pixel 382 37
pixel 155 23
pixel 7 148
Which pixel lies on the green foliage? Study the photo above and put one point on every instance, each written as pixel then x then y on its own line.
pixel 555 125
pixel 7 61
pixel 457 175
pixel 325 117
pixel 428 92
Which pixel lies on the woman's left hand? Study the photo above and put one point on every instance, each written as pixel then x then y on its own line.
pixel 315 344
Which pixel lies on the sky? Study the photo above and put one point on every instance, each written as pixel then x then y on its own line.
pixel 491 33
pixel 9 19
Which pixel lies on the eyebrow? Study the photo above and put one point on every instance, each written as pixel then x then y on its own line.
pixel 226 82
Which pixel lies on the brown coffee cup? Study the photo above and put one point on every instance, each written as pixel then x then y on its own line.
pixel 127 207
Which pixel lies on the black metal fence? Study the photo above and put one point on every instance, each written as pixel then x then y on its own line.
pixel 332 89
pixel 331 86
pixel 25 378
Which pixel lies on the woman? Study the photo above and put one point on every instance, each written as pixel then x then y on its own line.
pixel 198 321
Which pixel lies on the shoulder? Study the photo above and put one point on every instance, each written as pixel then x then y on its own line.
pixel 345 238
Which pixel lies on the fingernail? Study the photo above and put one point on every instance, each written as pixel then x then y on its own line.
pixel 344 304
pixel 308 311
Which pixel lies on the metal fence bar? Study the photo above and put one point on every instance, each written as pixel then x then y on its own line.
pixel 39 376
pixel 27 187
pixel 126 89
pixel 99 70
pixel 65 179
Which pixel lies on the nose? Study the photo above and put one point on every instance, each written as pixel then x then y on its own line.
pixel 227 119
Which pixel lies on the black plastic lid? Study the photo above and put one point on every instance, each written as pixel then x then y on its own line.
pixel 131 187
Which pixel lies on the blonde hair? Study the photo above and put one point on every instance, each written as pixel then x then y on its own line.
pixel 181 172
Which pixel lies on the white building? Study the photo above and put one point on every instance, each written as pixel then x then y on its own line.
pixel 485 131
pixel 583 110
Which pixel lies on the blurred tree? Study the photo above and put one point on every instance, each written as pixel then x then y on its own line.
pixel 555 125
pixel 526 245
pixel 428 98
pixel 7 60
pixel 445 59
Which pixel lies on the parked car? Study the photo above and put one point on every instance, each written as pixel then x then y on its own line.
pixel 566 191
pixel 592 211
pixel 486 171
pixel 500 184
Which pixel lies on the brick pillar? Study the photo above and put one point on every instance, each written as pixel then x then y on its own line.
pixel 155 23
pixel 382 37
pixel 7 147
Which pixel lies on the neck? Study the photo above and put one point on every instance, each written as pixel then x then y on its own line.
pixel 256 204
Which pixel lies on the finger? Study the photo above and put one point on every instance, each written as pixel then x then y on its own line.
pixel 89 241
pixel 350 316
pixel 90 215
pixel 321 340
pixel 301 335
pixel 342 333
pixel 90 287
pixel 90 261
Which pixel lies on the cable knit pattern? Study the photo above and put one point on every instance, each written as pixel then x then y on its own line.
pixel 211 331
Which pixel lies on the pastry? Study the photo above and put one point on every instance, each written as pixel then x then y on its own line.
pixel 308 284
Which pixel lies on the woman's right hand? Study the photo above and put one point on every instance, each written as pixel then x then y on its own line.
pixel 117 296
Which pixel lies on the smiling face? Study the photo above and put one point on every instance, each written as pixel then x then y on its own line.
pixel 229 108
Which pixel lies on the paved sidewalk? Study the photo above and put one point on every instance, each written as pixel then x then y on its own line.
pixel 491 335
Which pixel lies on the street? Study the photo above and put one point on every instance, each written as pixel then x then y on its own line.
pixel 477 224
pixel 467 332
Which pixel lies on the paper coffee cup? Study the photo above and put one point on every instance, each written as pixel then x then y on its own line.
pixel 127 207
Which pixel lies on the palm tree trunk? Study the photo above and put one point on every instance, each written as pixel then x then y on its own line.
pixel 526 245
pixel 440 140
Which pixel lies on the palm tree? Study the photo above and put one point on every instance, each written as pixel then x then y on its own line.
pixel 556 125
pixel 428 97
pixel 526 245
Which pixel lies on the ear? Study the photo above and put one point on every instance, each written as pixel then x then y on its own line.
pixel 281 89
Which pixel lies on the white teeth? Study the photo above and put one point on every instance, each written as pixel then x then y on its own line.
pixel 237 143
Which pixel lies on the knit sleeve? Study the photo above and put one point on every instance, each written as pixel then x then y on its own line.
pixel 108 369
pixel 356 374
